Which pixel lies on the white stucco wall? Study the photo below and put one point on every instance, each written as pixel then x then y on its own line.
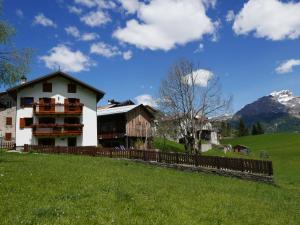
pixel 59 92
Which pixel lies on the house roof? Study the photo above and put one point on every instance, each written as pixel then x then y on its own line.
pixel 116 110
pixel 123 109
pixel 99 93
pixel 114 103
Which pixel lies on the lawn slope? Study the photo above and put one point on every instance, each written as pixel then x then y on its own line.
pixel 283 149
pixel 66 189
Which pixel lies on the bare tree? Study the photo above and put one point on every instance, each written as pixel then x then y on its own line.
pixel 191 95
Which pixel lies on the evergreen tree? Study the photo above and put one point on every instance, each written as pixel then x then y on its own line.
pixel 259 128
pixel 242 129
pixel 254 130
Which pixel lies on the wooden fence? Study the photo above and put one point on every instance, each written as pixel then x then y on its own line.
pixel 7 145
pixel 214 162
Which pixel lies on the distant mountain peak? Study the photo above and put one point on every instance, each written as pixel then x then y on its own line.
pixel 278 106
pixel 283 96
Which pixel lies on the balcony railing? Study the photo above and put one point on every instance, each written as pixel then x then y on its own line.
pixel 57 109
pixel 111 135
pixel 47 130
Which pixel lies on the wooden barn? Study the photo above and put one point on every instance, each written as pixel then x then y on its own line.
pixel 125 125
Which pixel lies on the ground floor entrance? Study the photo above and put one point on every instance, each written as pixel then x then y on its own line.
pixel 72 141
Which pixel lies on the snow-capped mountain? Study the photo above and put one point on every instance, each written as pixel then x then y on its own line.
pixel 278 107
pixel 287 98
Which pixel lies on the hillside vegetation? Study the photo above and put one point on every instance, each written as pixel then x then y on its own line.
pixel 69 189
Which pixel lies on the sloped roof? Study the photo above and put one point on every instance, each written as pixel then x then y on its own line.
pixel 116 110
pixel 99 93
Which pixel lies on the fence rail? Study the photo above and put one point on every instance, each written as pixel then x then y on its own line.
pixel 214 162
pixel 7 145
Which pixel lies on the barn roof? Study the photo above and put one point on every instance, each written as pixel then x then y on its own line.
pixel 116 110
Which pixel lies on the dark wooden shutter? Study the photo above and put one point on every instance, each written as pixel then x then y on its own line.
pixel 22 123
pixel 8 121
pixel 7 136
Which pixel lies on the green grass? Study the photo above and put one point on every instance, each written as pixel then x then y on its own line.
pixel 283 149
pixel 67 189
pixel 167 145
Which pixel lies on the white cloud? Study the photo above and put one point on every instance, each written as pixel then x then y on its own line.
pixel 270 19
pixel 146 99
pixel 75 10
pixel 95 18
pixel 89 36
pixel 165 24
pixel 87 3
pixel 62 56
pixel 287 66
pixel 199 77
pixel 41 19
pixel 73 31
pixel 105 50
pixel 200 48
pixel 131 6
pixel 20 13
pixel 127 55
pixel 230 16
pixel 102 4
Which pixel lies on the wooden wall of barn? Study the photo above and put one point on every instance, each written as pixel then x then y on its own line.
pixel 138 123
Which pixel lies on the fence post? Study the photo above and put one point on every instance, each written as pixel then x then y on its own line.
pixel 270 168
pixel 144 155
pixel 159 156
pixel 177 158
pixel 25 148
pixel 110 153
pixel 196 159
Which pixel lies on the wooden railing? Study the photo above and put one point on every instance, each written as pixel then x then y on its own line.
pixel 214 162
pixel 57 129
pixel 7 145
pixel 110 135
pixel 57 108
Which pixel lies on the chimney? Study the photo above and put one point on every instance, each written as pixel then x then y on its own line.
pixel 23 79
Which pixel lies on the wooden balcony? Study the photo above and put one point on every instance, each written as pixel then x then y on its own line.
pixel 56 130
pixel 57 109
pixel 110 135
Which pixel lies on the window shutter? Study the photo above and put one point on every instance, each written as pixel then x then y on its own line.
pixel 7 136
pixel 8 121
pixel 22 123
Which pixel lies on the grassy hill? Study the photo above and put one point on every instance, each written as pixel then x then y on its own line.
pixel 167 145
pixel 67 189
pixel 282 148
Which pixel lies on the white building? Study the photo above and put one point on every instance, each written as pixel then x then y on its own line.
pixel 56 109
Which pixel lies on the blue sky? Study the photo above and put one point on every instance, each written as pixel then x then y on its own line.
pixel 125 47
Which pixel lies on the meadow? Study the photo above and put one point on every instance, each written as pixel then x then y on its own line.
pixel 69 189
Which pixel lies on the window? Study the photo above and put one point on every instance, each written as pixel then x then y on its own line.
pixel 7 136
pixel 47 87
pixel 8 121
pixel 72 120
pixel 47 120
pixel 26 122
pixel 26 102
pixel 71 88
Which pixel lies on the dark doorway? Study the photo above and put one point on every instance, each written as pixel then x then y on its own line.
pixel 46 141
pixel 72 141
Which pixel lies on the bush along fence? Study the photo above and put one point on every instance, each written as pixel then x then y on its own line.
pixel 236 167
